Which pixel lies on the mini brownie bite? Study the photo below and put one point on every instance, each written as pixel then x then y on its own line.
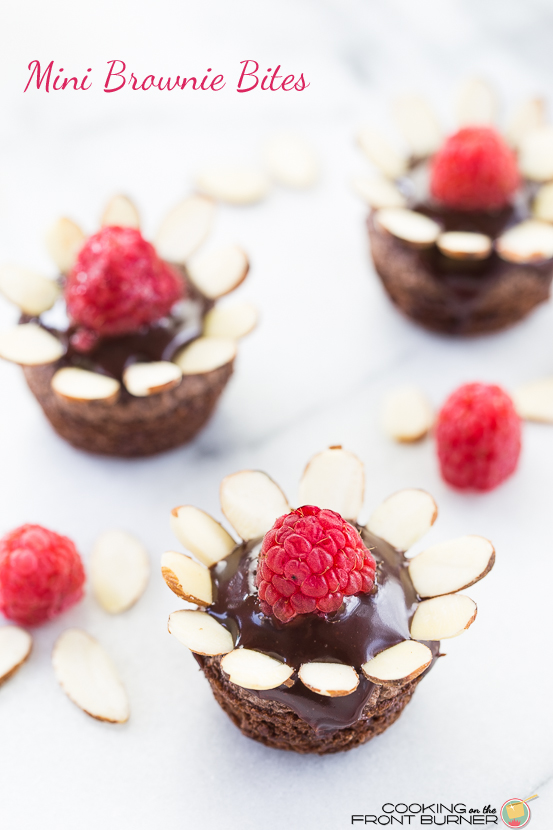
pixel 127 352
pixel 460 227
pixel 314 631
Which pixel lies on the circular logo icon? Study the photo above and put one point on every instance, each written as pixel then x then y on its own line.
pixel 515 813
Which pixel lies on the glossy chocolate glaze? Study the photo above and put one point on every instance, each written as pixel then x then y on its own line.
pixel 364 625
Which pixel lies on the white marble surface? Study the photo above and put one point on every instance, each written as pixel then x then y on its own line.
pixel 479 728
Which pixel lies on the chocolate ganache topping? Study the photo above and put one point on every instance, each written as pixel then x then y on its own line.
pixel 365 625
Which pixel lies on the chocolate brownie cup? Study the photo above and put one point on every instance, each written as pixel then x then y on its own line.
pixel 314 631
pixel 460 228
pixel 127 352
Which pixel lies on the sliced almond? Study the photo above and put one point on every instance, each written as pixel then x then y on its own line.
pixel 291 161
pixel 30 291
pixel 534 401
pixel 406 415
pixel 63 242
pixel 418 125
pixel 252 502
pixel 464 245
pixel 529 116
pixel 334 479
pixel 15 647
pixel 542 207
pixel 237 184
pixel 254 670
pixel 184 228
pixel 81 385
pixel 411 227
pixel 477 103
pixel 451 566
pixel 187 579
pixel 120 211
pixel 378 193
pixel 201 534
pixel 398 664
pixel 529 241
pixel 403 518
pixel 200 633
pixel 119 570
pixel 88 677
pixel 536 154
pixel 233 321
pixel 205 354
pixel 329 679
pixel 143 379
pixel 29 345
pixel 216 273
pixel 443 617
pixel 378 150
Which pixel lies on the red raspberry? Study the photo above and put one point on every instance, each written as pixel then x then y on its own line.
pixel 119 284
pixel 474 170
pixel 41 574
pixel 478 437
pixel 309 561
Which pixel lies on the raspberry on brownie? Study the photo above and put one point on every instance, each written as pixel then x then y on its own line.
pixel 313 630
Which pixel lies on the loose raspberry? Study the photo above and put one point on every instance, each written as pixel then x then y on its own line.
pixel 119 284
pixel 478 437
pixel 309 561
pixel 41 574
pixel 474 170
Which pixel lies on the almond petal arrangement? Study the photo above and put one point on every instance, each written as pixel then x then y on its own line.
pixel 461 228
pixel 127 352
pixel 314 631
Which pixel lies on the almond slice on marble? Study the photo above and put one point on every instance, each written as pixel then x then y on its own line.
pixel 29 345
pixel 187 579
pixel 216 273
pixel 185 228
pixel 529 241
pixel 122 212
pixel 398 664
pixel 144 379
pixel 542 206
pixel 378 193
pixel 329 679
pixel 200 633
pixel 534 400
pixel 536 154
pixel 443 617
pixel 477 103
pixel 529 116
pixel 334 479
pixel 291 161
pixel 451 566
pixel 88 677
pixel 252 502
pixel 464 245
pixel 31 292
pixel 237 184
pixel 201 534
pixel 15 647
pixel 406 414
pixel 81 385
pixel 378 149
pixel 403 518
pixel 205 354
pixel 234 321
pixel 119 570
pixel 254 670
pixel 410 227
pixel 63 242
pixel 418 125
